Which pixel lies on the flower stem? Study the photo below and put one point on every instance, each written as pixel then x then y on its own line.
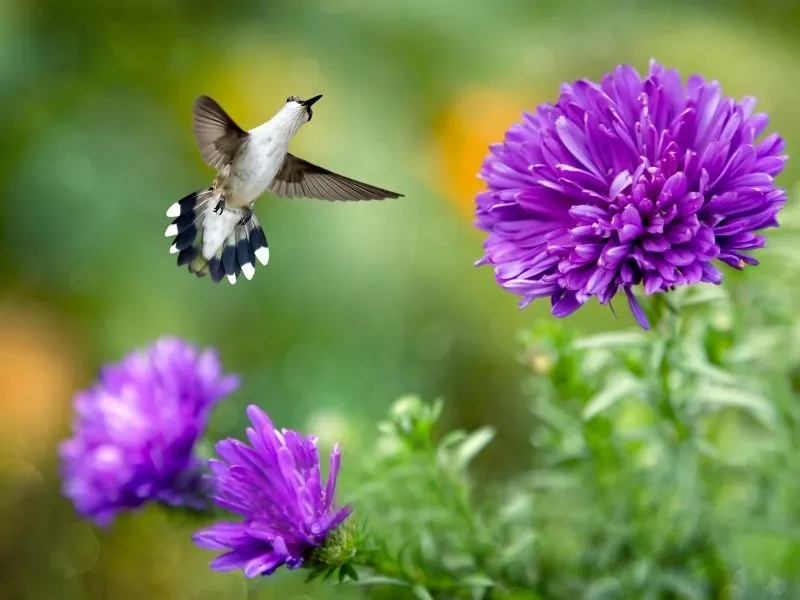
pixel 665 320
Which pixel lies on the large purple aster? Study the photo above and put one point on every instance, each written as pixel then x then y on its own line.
pixel 626 182
pixel 275 486
pixel 134 432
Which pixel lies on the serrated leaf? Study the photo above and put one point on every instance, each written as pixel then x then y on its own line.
pixel 611 340
pixel 472 445
pixel 719 397
pixel 421 593
pixel 615 391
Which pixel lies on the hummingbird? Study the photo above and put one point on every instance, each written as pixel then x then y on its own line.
pixel 215 229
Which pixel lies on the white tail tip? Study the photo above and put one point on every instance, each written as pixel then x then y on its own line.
pixel 231 279
pixel 248 270
pixel 174 211
pixel 262 254
pixel 173 249
pixel 171 230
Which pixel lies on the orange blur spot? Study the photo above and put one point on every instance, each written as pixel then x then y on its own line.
pixel 462 137
pixel 37 379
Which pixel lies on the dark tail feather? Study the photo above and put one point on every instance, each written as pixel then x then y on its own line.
pixel 187 228
pixel 238 254
pixel 246 245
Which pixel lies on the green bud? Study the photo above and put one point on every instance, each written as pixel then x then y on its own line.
pixel 338 549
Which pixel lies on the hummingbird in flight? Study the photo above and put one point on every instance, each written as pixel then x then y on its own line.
pixel 215 229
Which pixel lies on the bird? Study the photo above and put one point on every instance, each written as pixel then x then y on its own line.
pixel 215 230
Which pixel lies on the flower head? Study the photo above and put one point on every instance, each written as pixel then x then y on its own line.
pixel 629 181
pixel 135 430
pixel 276 486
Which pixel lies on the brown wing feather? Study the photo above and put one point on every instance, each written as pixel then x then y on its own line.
pixel 299 178
pixel 217 135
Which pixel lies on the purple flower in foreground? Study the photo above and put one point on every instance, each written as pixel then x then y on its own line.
pixel 275 485
pixel 625 182
pixel 135 431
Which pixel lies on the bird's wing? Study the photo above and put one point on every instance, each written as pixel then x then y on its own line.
pixel 217 135
pixel 299 178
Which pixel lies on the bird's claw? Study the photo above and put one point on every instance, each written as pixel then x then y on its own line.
pixel 248 214
pixel 220 206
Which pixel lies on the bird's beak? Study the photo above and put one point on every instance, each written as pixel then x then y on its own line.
pixel 310 101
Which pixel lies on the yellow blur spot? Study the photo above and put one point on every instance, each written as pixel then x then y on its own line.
pixel 253 77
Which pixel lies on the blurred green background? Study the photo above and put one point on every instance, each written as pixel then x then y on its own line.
pixel 361 303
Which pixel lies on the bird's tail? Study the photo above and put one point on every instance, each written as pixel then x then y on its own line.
pixel 194 220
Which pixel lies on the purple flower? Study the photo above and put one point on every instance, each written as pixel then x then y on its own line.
pixel 625 182
pixel 275 485
pixel 135 431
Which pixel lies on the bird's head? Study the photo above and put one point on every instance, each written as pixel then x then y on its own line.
pixel 297 111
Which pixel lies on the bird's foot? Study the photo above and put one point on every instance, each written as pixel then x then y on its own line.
pixel 248 214
pixel 220 206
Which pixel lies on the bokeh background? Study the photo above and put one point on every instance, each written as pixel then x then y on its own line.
pixel 361 303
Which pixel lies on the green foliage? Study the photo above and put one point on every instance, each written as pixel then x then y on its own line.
pixel 665 468
pixel 425 533
pixel 653 452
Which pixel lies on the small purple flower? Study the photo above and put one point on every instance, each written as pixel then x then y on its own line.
pixel 275 485
pixel 625 182
pixel 135 431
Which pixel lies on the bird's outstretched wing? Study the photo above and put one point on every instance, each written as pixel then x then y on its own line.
pixel 217 135
pixel 299 178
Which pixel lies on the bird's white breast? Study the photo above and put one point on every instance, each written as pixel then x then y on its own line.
pixel 257 166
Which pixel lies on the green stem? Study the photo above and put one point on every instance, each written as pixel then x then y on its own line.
pixel 665 321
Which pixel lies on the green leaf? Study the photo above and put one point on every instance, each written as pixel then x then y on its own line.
pixel 314 575
pixel 472 445
pixel 478 581
pixel 351 571
pixel 421 593
pixel 619 388
pixel 346 571
pixel 703 294
pixel 380 580
pixel 452 438
pixel 611 340
pixel 709 372
pixel 680 585
pixel 607 588
pixel 717 397
pixel 436 410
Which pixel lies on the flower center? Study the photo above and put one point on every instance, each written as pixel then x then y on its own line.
pixel 649 233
